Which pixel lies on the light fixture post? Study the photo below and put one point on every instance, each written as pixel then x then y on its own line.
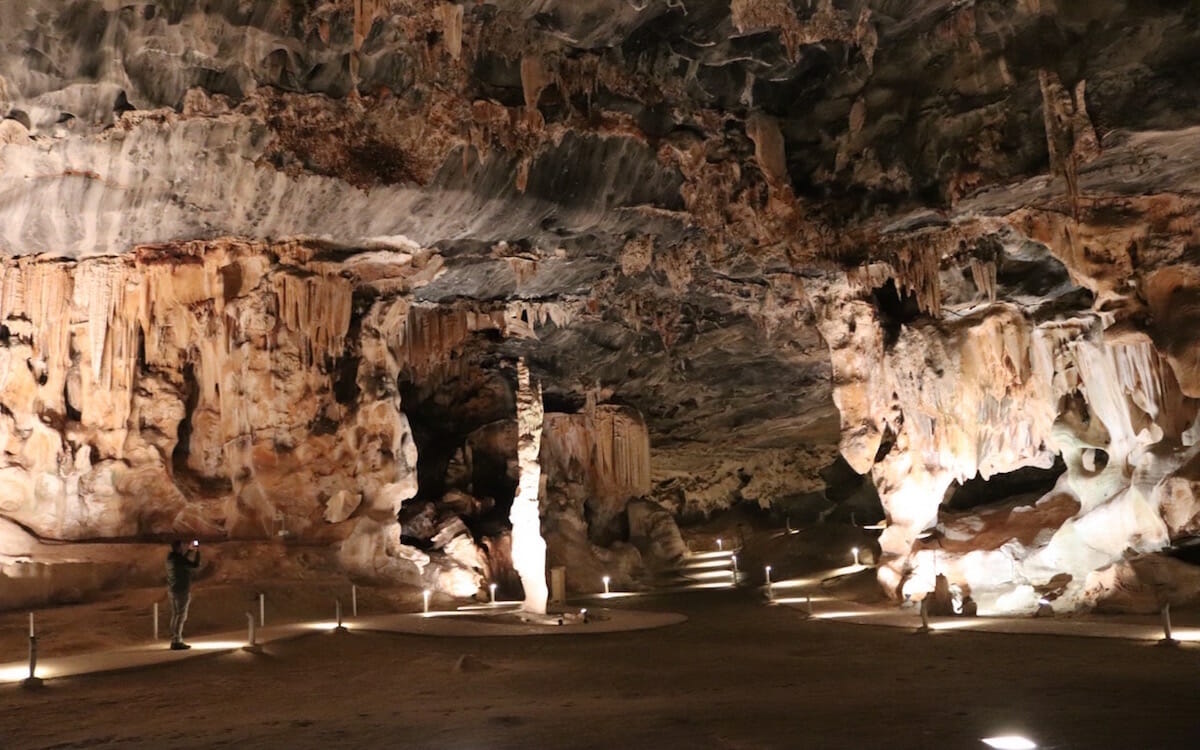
pixel 425 594
pixel 338 610
pixel 854 551
pixel 156 621
pixel 262 609
pixel 251 636
pixel 32 680
pixel 1168 639
pixel 353 600
pixel 607 580
pixel 492 592
pixel 770 588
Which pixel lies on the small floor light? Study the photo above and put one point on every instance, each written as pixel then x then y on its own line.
pixel 720 543
pixel 854 551
pixel 156 621
pixel 426 595
pixel 606 580
pixel 1010 742
pixel 338 611
pixel 353 600
pixel 492 591
pixel 262 610
pixel 733 559
pixel 770 589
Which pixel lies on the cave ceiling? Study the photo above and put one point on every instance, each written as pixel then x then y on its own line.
pixel 675 179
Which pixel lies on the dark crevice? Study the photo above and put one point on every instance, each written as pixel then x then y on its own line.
pixel 1029 481
pixel 896 308
pixel 73 414
pixel 190 481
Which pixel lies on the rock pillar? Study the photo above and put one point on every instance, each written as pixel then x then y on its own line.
pixel 528 546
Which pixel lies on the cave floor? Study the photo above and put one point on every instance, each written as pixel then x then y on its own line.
pixel 736 674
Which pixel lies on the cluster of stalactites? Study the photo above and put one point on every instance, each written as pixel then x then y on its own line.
pixel 609 444
pixel 200 307
pixel 423 338
pixel 915 271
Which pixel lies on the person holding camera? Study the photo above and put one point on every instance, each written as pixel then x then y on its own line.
pixel 179 584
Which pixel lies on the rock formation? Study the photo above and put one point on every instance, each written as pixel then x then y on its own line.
pixel 267 268
pixel 528 546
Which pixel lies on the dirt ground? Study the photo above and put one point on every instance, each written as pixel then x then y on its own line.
pixel 736 675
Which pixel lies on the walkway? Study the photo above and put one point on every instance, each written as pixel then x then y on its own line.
pixel 809 597
pixel 806 595
pixel 470 621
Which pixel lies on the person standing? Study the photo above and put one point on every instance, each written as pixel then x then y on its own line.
pixel 179 588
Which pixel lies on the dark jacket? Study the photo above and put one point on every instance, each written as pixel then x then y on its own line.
pixel 179 570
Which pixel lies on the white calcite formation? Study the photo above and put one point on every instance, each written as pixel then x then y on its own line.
pixel 987 390
pixel 528 546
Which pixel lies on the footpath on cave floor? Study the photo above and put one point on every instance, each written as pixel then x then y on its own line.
pixel 809 596
pixel 806 595
pixel 485 620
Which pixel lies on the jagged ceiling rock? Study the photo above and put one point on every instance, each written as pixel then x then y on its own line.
pixel 678 205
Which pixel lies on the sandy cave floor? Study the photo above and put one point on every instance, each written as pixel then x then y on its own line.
pixel 736 674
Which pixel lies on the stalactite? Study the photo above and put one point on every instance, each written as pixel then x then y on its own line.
pixel 609 444
pixel 983 274
pixel 451 16
pixel 318 308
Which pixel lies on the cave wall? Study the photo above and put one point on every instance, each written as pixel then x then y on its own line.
pixel 681 207
pixel 188 392
pixel 992 388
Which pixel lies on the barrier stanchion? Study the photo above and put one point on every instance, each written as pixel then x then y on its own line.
pixel 32 680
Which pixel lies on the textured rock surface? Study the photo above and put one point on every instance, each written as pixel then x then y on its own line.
pixel 268 265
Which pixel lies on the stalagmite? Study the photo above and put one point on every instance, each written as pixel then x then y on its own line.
pixel 528 546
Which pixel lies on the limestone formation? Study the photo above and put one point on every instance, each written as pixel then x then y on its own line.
pixel 528 546
pixel 266 269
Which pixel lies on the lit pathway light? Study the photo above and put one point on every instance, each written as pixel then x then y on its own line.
pixel 1010 742
pixel 1167 640
pixel 32 680
pixel 606 580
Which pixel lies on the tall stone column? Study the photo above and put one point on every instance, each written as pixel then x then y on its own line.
pixel 528 546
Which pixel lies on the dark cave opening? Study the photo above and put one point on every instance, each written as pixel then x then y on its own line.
pixel 1029 482
pixel 896 308
pixel 189 480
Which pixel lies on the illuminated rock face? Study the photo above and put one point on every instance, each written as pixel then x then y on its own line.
pixel 991 389
pixel 260 222
pixel 528 546
pixel 188 393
